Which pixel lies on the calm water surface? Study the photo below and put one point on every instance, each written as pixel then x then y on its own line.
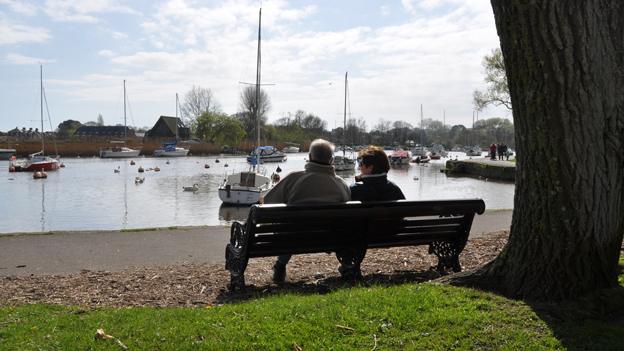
pixel 88 195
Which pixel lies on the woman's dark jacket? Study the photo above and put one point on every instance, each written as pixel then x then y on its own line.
pixel 376 187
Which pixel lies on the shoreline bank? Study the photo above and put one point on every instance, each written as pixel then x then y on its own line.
pixel 63 252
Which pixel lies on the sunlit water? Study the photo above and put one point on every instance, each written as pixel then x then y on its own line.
pixel 89 195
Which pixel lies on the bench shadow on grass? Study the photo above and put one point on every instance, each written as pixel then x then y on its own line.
pixel 325 285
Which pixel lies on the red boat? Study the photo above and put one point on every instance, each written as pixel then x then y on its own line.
pixel 35 162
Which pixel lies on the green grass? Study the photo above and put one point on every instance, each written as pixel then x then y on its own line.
pixel 412 316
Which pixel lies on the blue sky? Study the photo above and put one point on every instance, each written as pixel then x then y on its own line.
pixel 399 54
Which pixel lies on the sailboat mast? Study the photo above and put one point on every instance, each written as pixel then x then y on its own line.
pixel 421 126
pixel 177 104
pixel 258 81
pixel 125 128
pixel 41 98
pixel 344 126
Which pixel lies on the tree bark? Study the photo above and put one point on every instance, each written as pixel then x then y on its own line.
pixel 564 62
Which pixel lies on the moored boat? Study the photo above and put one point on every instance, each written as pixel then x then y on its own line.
pixel 38 161
pixel 343 163
pixel 473 151
pixel 171 150
pixel 244 188
pixel 438 151
pixel 117 150
pixel 266 154
pixel 5 154
pixel 399 157
pixel 291 148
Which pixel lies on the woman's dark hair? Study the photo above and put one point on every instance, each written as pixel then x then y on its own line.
pixel 375 156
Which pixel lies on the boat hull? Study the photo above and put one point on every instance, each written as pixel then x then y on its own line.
pixel 240 196
pixel 263 159
pixel 399 161
pixel 290 150
pixel 45 166
pixel 176 153
pixel 119 154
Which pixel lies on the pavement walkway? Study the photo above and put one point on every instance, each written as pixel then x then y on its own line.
pixel 71 252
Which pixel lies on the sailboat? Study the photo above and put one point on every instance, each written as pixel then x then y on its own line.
pixel 420 153
pixel 246 188
pixel 344 163
pixel 171 148
pixel 117 149
pixel 37 161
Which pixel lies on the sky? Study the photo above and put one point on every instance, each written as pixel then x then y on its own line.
pixel 399 54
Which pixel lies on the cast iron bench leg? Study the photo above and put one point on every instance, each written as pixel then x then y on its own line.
pixel 448 255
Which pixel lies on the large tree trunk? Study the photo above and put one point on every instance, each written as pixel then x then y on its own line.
pixel 564 62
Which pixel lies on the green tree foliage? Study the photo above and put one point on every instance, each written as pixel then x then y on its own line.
pixel 218 128
pixel 497 91
pixel 67 128
pixel 494 130
pixel 300 127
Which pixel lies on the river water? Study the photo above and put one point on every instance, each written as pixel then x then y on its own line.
pixel 88 195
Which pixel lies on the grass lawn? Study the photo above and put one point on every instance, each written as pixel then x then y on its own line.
pixel 412 316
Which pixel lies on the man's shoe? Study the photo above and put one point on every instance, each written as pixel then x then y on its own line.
pixel 279 273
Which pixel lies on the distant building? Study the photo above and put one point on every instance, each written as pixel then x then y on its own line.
pixel 166 127
pixel 104 131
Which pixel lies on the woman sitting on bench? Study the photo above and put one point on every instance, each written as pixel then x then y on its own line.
pixel 372 184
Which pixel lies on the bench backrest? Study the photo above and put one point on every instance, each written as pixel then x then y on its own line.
pixel 278 228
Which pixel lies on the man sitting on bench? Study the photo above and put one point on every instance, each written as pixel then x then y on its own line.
pixel 318 183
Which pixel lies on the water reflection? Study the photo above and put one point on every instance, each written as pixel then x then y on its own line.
pixel 43 207
pixel 233 213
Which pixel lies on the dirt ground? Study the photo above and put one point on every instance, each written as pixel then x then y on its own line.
pixel 197 284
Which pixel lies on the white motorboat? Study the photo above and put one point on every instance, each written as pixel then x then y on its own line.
pixel 343 164
pixel 290 148
pixel 266 154
pixel 118 151
pixel 473 151
pixel 244 188
pixel 420 151
pixel 171 150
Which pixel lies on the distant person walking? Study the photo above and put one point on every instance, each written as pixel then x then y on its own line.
pixel 318 183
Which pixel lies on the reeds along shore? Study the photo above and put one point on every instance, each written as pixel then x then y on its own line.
pixel 91 147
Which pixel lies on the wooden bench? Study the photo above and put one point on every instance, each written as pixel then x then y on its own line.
pixel 278 229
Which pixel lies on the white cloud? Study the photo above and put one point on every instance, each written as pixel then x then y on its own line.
pixel 119 35
pixel 19 59
pixel 19 6
pixel 13 33
pixel 83 11
pixel 434 60
pixel 106 53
